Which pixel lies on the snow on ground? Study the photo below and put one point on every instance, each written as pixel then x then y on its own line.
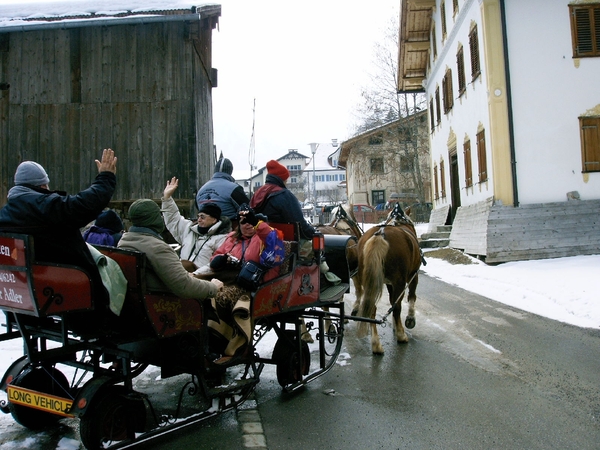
pixel 562 289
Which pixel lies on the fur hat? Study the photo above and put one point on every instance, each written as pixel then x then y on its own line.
pixel 32 173
pixel 224 165
pixel 274 168
pixel 146 213
pixel 110 220
pixel 212 209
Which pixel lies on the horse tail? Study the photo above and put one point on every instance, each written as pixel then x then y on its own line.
pixel 373 277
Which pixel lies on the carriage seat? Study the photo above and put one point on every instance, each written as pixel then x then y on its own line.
pixel 291 237
pixel 39 289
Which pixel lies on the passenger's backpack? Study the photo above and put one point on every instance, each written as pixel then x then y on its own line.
pixel 273 253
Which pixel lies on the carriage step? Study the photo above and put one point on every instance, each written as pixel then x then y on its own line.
pixel 333 293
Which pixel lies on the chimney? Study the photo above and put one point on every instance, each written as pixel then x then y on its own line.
pixel 334 142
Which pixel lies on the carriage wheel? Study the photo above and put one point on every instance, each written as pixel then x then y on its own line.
pixel 113 418
pixel 287 358
pixel 49 381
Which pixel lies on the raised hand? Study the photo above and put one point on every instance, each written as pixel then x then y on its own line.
pixel 171 187
pixel 108 163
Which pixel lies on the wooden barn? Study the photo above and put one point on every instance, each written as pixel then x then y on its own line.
pixel 138 80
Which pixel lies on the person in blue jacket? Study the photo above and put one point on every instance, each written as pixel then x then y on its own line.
pixel 222 190
pixel 54 219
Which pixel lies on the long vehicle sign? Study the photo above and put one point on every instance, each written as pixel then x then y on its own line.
pixel 39 400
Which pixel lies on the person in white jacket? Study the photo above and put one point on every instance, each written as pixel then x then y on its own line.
pixel 198 240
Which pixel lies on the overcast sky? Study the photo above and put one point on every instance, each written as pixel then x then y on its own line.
pixel 303 62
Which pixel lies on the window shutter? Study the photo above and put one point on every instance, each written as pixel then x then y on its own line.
pixel 585 30
pixel 474 49
pixel 435 179
pixel 437 105
pixel 481 156
pixel 460 67
pixel 442 179
pixel 590 143
pixel 468 168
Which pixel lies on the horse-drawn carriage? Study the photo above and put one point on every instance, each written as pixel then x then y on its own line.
pixel 79 362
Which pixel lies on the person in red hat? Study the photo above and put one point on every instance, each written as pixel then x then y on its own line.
pixel 277 202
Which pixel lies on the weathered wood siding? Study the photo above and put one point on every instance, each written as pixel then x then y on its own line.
pixel 469 228
pixel 546 230
pixel 438 217
pixel 539 231
pixel 143 90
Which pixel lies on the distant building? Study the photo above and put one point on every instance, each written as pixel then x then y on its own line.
pixel 325 180
pixel 392 158
pixel 330 185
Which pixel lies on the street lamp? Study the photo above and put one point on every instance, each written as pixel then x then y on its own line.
pixel 313 149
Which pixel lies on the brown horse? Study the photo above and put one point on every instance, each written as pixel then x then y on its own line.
pixel 387 254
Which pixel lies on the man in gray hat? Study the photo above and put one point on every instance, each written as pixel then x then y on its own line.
pixel 54 218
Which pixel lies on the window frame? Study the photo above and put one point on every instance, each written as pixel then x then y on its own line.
pixel 460 67
pixel 376 166
pixel 436 182
pixel 474 50
pixel 482 157
pixel 585 32
pixel 442 179
pixel 468 163
pixel 437 105
pixel 447 90
pixel 589 128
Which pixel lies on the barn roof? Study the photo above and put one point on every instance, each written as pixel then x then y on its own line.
pixel 25 16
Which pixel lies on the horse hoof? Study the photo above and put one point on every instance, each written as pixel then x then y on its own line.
pixel 410 322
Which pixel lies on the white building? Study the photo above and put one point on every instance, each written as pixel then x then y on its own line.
pixel 325 182
pixel 514 113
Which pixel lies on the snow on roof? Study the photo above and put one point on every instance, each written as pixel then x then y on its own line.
pixel 323 155
pixel 26 13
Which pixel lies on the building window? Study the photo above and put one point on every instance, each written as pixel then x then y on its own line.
pixel 377 197
pixel 481 156
pixel 406 164
pixel 590 143
pixel 460 67
pixel 433 41
pixel 377 166
pixel 468 168
pixel 474 49
pixel 437 105
pixel 454 7
pixel 435 180
pixel 431 115
pixel 376 140
pixel 443 19
pixel 293 180
pixel 442 179
pixel 585 29
pixel 447 88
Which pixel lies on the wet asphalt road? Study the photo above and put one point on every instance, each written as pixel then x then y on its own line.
pixel 476 374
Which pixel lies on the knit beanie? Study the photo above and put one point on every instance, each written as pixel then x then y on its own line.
pixel 212 209
pixel 274 168
pixel 146 213
pixel 110 220
pixel 224 165
pixel 32 173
